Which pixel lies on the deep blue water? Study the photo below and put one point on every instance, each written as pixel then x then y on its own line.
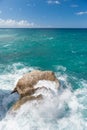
pixel 63 51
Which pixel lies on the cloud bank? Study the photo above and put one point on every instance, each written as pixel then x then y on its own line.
pixel 81 13
pixel 10 23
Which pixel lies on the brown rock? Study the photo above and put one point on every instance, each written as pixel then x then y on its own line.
pixel 25 85
pixel 24 100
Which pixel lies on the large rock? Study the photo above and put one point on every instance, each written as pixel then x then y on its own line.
pixel 25 85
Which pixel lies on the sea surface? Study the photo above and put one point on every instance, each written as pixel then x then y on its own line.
pixel 63 51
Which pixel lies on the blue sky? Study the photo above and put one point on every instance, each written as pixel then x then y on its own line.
pixel 43 13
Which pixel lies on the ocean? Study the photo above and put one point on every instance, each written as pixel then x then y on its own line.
pixel 63 51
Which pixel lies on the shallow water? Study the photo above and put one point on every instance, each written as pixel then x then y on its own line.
pixel 64 52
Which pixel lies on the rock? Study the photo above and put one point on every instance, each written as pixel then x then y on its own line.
pixel 25 85
pixel 24 100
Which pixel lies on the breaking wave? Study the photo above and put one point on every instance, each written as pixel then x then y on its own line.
pixel 63 109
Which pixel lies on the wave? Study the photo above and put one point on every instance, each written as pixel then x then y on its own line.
pixel 60 68
pixel 11 73
pixel 50 38
pixel 65 109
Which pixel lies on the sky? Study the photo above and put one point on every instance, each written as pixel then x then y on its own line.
pixel 43 13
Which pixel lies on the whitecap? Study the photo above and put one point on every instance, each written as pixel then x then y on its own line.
pixel 50 38
pixel 11 74
pixel 60 68
pixel 64 109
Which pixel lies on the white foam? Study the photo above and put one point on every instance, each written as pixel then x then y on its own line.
pixel 11 74
pixel 49 114
pixel 60 110
pixel 51 86
pixel 8 80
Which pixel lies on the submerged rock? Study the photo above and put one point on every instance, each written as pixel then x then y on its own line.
pixel 25 86
pixel 24 100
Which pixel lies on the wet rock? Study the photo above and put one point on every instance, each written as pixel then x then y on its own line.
pixel 25 85
pixel 23 100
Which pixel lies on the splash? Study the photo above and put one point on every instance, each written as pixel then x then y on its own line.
pixel 63 109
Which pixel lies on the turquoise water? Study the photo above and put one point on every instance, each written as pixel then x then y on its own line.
pixel 45 48
pixel 63 51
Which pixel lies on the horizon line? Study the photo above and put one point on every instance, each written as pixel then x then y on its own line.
pixel 44 28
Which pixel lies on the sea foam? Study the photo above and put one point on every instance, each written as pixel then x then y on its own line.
pixel 62 109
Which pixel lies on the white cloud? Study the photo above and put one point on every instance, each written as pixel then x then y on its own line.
pixel 74 6
pixel 53 2
pixel 81 13
pixel 10 23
